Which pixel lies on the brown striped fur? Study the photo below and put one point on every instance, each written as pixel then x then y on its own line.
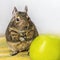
pixel 20 32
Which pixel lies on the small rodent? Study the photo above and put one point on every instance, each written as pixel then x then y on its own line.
pixel 20 32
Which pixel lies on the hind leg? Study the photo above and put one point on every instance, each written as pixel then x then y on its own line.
pixel 13 48
pixel 14 53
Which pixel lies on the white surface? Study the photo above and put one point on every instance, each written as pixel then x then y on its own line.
pixel 44 13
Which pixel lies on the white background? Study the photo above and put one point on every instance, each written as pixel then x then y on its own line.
pixel 44 13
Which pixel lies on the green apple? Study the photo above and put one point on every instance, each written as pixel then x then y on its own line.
pixel 45 47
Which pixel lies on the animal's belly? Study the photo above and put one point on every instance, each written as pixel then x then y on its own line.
pixel 20 46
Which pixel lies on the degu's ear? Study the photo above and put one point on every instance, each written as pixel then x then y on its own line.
pixel 26 9
pixel 14 11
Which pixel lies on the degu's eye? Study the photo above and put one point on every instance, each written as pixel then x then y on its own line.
pixel 17 19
